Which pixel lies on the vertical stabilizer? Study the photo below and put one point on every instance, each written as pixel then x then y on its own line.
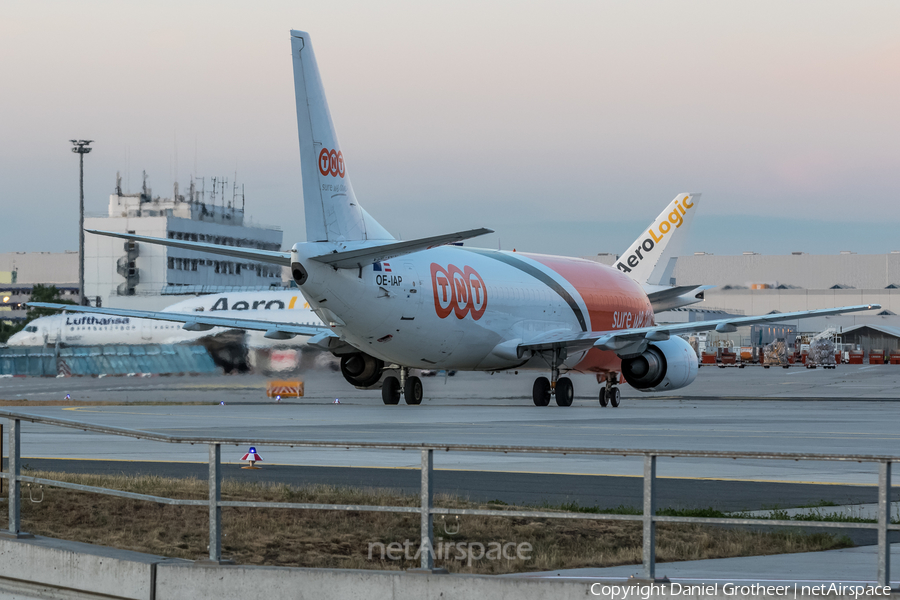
pixel 651 258
pixel 330 206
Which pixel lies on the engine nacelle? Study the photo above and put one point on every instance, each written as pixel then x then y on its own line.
pixel 361 370
pixel 663 366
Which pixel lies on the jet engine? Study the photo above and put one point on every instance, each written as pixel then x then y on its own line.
pixel 663 366
pixel 360 369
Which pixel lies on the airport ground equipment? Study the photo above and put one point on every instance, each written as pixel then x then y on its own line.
pixel 822 351
pixel 285 389
pixel 426 510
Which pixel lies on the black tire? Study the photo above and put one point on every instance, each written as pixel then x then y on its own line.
pixel 565 392
pixel 390 390
pixel 540 392
pixel 413 390
pixel 603 401
pixel 614 397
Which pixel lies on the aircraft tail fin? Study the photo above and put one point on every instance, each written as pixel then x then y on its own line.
pixel 651 258
pixel 330 207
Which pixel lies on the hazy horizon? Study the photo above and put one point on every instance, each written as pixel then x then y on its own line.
pixel 564 127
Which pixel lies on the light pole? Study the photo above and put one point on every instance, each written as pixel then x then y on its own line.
pixel 81 148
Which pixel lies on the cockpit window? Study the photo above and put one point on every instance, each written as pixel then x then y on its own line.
pixel 31 329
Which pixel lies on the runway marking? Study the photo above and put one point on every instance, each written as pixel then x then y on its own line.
pixel 416 468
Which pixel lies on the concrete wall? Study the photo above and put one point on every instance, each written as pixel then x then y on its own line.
pixel 54 569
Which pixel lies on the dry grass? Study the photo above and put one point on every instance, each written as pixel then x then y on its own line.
pixel 337 539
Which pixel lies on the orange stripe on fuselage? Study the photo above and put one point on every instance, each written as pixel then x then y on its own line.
pixel 613 301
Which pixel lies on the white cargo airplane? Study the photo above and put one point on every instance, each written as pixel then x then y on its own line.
pixel 105 328
pixel 423 303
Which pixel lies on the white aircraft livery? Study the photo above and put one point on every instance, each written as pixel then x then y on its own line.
pixel 426 303
pixel 102 329
pixel 650 260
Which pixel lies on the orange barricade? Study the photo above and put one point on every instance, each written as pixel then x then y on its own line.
pixel 285 389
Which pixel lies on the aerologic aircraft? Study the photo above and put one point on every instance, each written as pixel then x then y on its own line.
pixel 429 304
pixel 105 328
pixel 650 260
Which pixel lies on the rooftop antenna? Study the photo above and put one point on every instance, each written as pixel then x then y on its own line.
pixel 145 191
pixel 118 184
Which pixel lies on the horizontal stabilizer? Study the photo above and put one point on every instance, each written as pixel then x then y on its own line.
pixel 352 259
pixel 669 293
pixel 273 257
pixel 195 321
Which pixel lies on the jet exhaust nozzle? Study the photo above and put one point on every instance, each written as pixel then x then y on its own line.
pixel 298 273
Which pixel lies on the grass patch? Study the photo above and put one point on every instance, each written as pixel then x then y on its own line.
pixel 336 539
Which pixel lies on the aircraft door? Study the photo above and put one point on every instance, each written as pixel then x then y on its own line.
pixel 411 288
pixel 146 329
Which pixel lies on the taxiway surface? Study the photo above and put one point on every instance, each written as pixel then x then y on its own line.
pixel 852 409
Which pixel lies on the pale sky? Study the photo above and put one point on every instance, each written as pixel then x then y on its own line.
pixel 565 126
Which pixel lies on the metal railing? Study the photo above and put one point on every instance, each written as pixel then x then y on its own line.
pixel 426 508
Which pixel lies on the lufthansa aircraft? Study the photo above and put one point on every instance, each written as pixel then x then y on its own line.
pixel 428 304
pixel 106 328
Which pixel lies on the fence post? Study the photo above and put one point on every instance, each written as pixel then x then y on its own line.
pixel 884 519
pixel 426 545
pixel 649 511
pixel 15 487
pixel 215 511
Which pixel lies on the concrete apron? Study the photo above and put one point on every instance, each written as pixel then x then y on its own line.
pixel 48 568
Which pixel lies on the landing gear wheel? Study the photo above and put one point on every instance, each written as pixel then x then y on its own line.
pixel 540 393
pixel 565 392
pixel 390 390
pixel 614 397
pixel 603 400
pixel 413 390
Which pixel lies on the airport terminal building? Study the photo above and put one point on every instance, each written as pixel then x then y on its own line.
pixel 116 269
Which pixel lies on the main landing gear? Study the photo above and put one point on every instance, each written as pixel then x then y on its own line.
pixel 410 387
pixel 610 393
pixel 560 387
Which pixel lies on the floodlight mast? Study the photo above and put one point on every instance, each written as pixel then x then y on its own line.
pixel 81 148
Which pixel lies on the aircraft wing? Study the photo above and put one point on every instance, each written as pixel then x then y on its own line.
pixel 634 341
pixel 352 259
pixel 273 257
pixel 197 321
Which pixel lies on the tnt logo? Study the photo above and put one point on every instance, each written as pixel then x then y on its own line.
pixel 331 163
pixel 459 291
